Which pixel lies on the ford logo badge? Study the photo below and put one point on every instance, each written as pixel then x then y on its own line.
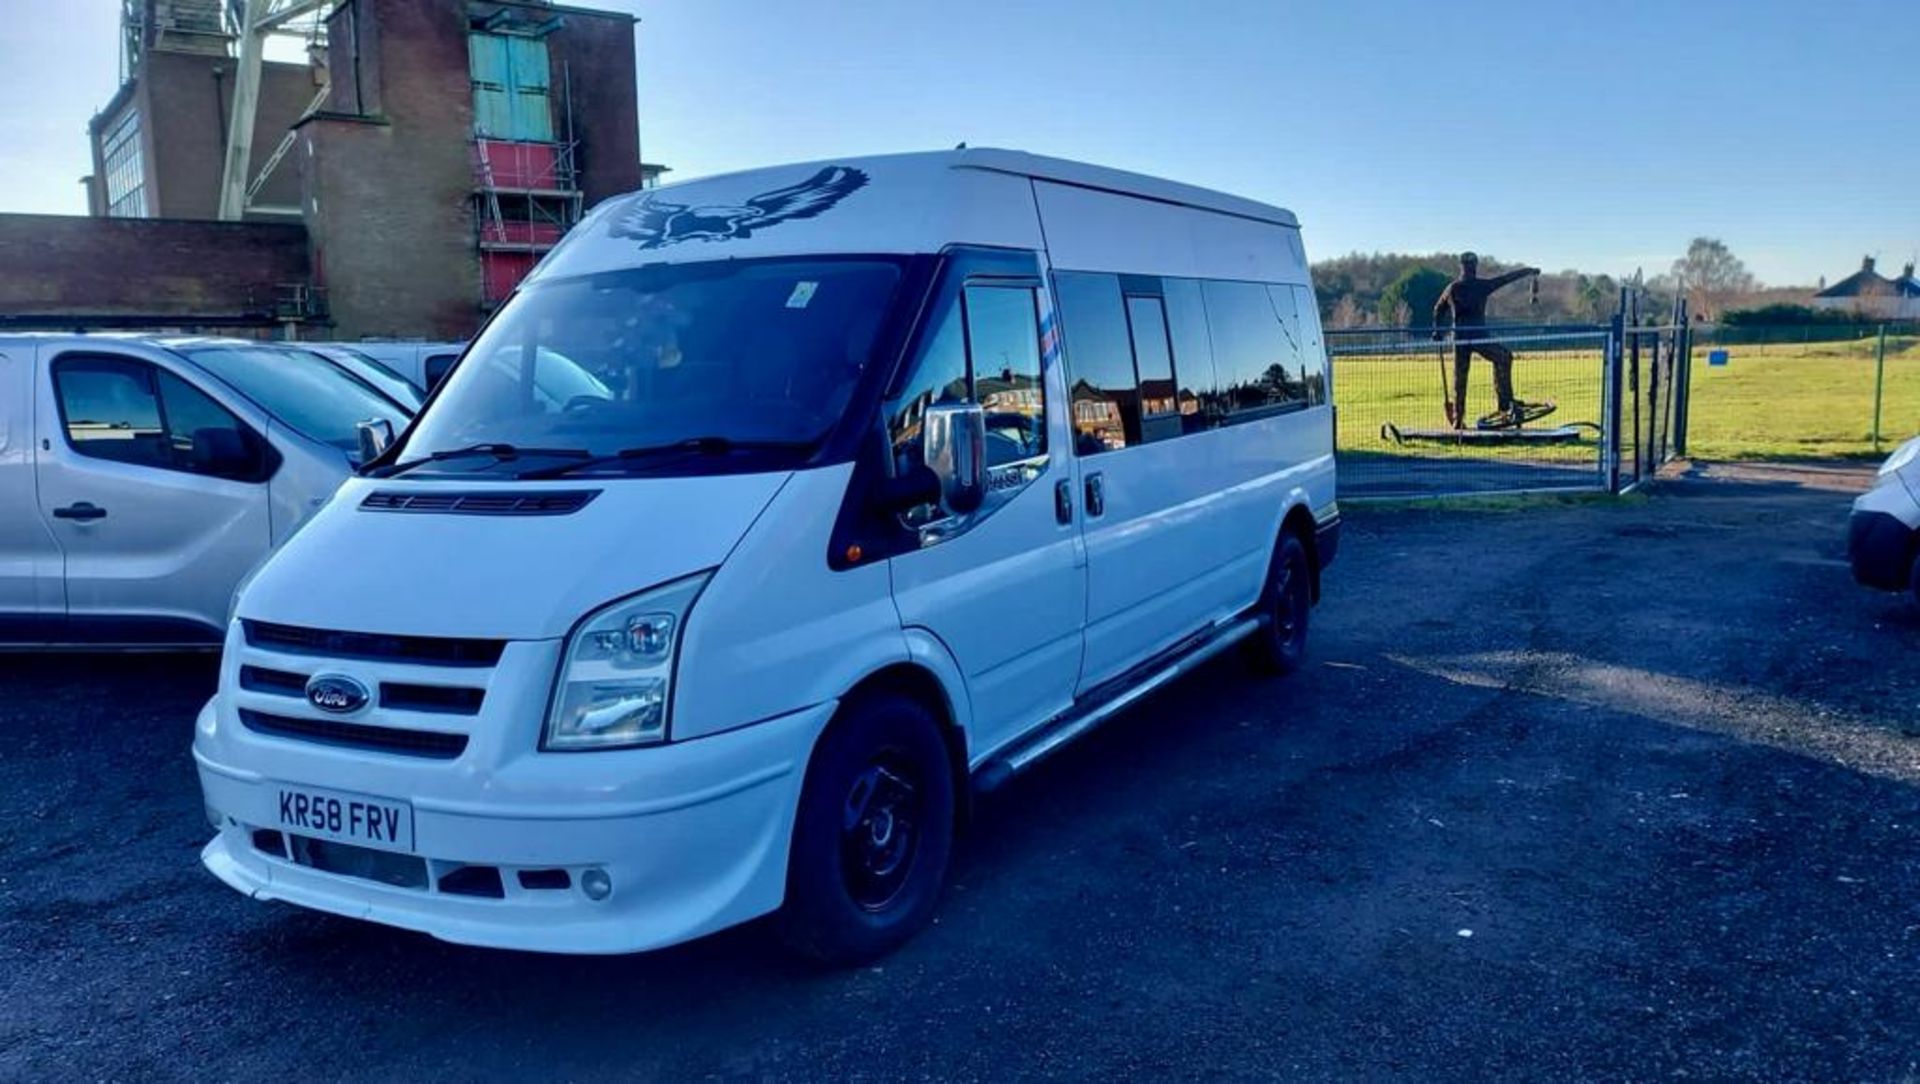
pixel 336 693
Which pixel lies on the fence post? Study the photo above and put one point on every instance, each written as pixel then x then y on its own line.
pixel 1615 357
pixel 1879 382
pixel 1683 380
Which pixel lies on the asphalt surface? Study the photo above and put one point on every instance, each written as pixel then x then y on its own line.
pixel 1610 789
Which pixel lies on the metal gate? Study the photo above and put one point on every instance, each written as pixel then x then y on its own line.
pixel 1618 392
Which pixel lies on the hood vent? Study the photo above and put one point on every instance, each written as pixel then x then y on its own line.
pixel 544 502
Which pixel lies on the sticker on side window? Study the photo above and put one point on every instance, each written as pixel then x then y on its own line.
pixel 802 293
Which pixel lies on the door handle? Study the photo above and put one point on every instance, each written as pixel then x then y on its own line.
pixel 1063 501
pixel 1096 495
pixel 83 510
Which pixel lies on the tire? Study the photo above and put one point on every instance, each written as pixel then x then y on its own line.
pixel 873 835
pixel 1280 645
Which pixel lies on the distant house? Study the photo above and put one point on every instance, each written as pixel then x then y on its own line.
pixel 1872 294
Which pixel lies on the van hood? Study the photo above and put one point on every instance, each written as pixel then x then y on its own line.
pixel 525 576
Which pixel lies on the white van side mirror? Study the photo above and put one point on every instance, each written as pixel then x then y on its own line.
pixel 376 436
pixel 954 439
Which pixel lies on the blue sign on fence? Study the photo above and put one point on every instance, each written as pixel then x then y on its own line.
pixel 1716 357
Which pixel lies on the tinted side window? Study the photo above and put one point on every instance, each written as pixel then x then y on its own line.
pixel 1200 405
pixel 1254 352
pixel 112 411
pixel 1295 362
pixel 436 368
pixel 131 412
pixel 206 438
pixel 937 375
pixel 1105 398
pixel 1003 340
pixel 1153 359
pixel 1314 345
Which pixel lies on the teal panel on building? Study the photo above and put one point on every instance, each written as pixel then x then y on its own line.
pixel 512 87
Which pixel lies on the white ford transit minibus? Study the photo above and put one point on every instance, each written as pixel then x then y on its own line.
pixel 892 476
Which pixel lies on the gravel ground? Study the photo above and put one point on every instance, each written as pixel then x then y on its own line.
pixel 1569 789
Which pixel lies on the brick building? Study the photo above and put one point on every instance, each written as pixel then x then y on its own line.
pixel 422 158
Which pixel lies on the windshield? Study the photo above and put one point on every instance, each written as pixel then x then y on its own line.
pixel 376 372
pixel 739 355
pixel 301 389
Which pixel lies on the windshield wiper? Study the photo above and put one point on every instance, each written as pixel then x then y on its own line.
pixel 692 446
pixel 499 451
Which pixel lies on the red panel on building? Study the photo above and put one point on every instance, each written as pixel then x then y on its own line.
pixel 511 232
pixel 507 164
pixel 500 272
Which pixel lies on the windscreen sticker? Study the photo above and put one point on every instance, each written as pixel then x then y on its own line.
pixel 656 222
pixel 802 293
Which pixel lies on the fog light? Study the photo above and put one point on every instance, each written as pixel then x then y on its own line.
pixel 596 884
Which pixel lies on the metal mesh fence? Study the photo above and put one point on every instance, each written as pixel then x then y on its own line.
pixel 1394 438
pixel 1794 394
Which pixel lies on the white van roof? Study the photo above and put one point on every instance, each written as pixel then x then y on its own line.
pixel 883 204
pixel 1084 175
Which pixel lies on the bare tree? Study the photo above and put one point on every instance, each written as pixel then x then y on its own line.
pixel 1711 276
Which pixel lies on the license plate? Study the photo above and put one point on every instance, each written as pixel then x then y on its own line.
pixel 348 818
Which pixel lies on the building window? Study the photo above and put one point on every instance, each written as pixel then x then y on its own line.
pixel 512 87
pixel 125 168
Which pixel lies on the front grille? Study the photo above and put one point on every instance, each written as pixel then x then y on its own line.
pixel 551 502
pixel 349 860
pixel 438 699
pixel 259 679
pixel 377 647
pixel 379 739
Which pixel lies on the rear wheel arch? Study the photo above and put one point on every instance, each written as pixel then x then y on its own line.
pixel 1299 522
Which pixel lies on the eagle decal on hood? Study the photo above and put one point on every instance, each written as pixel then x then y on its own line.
pixel 655 222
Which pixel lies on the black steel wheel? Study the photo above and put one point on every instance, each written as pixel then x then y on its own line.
pixel 873 834
pixel 1280 645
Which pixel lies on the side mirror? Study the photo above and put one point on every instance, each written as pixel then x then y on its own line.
pixel 954 439
pixel 376 436
pixel 222 453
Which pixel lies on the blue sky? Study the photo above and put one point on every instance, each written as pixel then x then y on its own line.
pixel 1593 135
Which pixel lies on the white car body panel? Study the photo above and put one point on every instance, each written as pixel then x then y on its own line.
pixel 1012 615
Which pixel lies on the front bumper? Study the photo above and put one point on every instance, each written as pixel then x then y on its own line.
pixel 1881 550
pixel 694 835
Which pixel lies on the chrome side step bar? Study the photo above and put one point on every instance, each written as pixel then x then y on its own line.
pixel 1082 718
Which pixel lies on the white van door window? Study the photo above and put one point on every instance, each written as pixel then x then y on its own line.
pixel 986 350
pixel 1003 341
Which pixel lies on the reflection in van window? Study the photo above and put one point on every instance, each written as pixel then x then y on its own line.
pixel 206 438
pixel 1003 340
pixel 303 390
pixel 751 351
pixel 938 375
pixel 1193 349
pixel 1153 357
pixel 112 411
pixel 1254 352
pixel 1101 382
pixel 1313 343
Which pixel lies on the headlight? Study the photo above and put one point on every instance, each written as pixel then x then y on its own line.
pixel 616 673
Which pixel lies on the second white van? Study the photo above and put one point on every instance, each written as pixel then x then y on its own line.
pixel 893 475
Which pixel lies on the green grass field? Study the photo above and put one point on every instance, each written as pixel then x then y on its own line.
pixel 1778 400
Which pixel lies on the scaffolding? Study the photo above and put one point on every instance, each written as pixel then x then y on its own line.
pixel 528 197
